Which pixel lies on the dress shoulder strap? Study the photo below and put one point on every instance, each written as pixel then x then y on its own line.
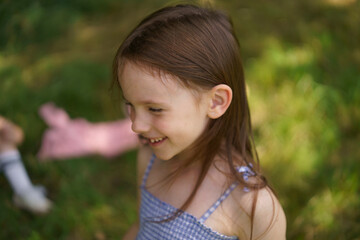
pixel 147 171
pixel 246 173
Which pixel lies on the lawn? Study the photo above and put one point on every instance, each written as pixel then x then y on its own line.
pixel 302 65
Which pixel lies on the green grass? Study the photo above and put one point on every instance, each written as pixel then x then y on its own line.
pixel 301 61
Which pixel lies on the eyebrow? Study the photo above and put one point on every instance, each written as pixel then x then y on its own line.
pixel 146 102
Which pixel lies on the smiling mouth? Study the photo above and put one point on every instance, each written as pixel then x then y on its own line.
pixel 151 141
pixel 155 141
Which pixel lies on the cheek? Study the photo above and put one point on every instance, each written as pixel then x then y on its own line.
pixel 170 126
pixel 164 125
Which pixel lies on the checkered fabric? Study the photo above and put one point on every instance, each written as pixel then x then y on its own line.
pixel 183 227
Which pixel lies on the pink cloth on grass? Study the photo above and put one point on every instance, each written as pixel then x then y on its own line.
pixel 68 138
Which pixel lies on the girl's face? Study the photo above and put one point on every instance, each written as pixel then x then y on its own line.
pixel 163 111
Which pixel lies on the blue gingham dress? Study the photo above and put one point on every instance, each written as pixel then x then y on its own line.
pixel 183 227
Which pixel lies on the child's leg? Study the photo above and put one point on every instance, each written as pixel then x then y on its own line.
pixel 11 164
pixel 26 195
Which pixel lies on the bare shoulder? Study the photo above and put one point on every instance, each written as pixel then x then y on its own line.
pixel 269 219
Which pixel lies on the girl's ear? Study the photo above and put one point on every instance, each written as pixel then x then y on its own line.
pixel 220 99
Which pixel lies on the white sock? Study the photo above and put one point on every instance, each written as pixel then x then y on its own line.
pixel 15 172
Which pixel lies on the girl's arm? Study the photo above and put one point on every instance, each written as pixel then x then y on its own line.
pixel 143 158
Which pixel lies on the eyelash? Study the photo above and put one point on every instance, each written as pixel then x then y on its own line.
pixel 156 110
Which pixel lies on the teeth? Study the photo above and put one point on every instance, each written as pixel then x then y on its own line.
pixel 155 140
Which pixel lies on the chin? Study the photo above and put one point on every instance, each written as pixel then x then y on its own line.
pixel 164 156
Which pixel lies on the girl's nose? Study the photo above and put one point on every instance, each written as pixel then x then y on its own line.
pixel 139 125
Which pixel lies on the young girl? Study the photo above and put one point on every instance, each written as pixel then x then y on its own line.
pixel 181 76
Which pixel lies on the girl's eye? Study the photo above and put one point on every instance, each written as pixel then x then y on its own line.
pixel 157 110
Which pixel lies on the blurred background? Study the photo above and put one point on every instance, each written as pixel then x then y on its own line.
pixel 302 64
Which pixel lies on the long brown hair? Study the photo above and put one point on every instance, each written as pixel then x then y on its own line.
pixel 198 46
